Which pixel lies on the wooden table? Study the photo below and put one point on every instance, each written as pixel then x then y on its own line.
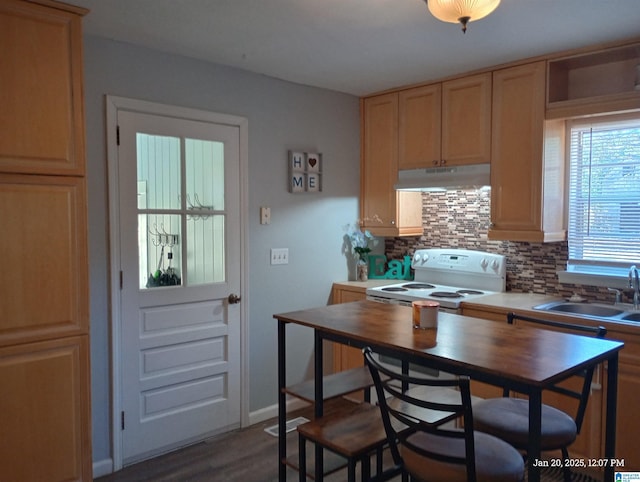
pixel 523 358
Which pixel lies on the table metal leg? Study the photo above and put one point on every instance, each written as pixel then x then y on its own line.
pixel 318 408
pixel 535 429
pixel 612 406
pixel 302 459
pixel 405 372
pixel 282 404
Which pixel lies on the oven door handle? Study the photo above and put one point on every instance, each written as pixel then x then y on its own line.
pixel 388 301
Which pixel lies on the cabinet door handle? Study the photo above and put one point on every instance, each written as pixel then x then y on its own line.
pixel 436 163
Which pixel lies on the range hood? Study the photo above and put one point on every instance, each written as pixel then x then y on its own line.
pixel 443 178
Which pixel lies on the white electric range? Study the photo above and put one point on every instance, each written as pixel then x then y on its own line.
pixel 448 276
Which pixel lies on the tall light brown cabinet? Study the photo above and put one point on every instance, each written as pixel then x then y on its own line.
pixel 44 305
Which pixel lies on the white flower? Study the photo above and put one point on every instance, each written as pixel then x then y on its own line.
pixel 359 240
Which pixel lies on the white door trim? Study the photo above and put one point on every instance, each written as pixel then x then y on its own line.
pixel 113 105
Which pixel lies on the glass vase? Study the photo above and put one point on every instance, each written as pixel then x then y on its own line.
pixel 362 270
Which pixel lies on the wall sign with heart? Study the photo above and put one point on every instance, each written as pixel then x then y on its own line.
pixel 305 172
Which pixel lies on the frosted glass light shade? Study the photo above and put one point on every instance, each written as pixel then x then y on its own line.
pixel 462 11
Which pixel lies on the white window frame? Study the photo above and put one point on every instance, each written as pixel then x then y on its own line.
pixel 609 274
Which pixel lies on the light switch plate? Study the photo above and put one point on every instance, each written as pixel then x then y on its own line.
pixel 279 255
pixel 265 215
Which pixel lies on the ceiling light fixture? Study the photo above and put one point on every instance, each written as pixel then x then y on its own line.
pixel 462 11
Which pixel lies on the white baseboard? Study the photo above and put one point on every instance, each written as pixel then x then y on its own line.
pixel 271 411
pixel 105 467
pixel 102 467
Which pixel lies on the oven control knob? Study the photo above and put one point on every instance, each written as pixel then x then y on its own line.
pixel 417 258
pixel 484 263
pixel 495 265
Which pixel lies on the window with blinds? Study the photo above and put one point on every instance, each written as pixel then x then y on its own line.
pixel 604 194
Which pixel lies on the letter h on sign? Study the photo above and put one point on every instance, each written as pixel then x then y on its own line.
pixel 305 172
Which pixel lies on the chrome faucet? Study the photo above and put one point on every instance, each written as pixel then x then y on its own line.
pixel 618 294
pixel 634 284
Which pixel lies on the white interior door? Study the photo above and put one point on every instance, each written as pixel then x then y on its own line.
pixel 179 212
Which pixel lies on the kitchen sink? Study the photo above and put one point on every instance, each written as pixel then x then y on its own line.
pixel 591 310
pixel 632 317
pixel 598 311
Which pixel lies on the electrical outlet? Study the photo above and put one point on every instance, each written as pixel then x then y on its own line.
pixel 279 255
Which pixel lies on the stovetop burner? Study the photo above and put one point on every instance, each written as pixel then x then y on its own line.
pixel 394 288
pixel 418 286
pixel 470 292
pixel 455 294
pixel 445 294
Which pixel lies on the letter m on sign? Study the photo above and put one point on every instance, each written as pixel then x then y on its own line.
pixel 297 183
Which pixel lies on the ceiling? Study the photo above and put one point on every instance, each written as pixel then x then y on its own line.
pixel 357 46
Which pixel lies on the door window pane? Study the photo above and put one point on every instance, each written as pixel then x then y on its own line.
pixel 159 250
pixel 205 249
pixel 158 171
pixel 204 174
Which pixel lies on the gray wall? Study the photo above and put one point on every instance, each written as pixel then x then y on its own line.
pixel 281 116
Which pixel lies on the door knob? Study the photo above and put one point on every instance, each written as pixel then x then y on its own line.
pixel 233 299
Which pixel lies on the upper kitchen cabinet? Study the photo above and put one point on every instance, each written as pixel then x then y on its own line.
pixel 527 164
pixel 420 127
pixel 385 211
pixel 446 124
pixel 597 82
pixel 41 119
pixel 466 120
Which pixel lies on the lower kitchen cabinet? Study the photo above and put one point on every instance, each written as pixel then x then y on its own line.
pixel 479 389
pixel 628 422
pixel 44 411
pixel 485 315
pixel 44 326
pixel 346 357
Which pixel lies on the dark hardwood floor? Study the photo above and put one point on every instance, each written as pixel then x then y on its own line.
pixel 247 455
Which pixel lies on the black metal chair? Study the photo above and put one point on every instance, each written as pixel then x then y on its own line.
pixel 508 417
pixel 424 439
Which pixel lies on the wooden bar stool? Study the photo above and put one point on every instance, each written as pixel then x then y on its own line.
pixel 354 434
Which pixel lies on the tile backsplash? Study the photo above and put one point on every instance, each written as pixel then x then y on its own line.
pixel 460 219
